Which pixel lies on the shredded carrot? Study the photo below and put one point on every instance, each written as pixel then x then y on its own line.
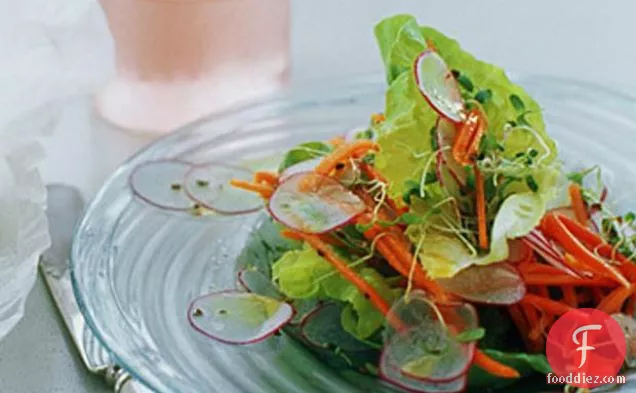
pixel 268 178
pixel 401 259
pixel 337 141
pixel 563 279
pixel 554 227
pixel 469 134
pixel 263 190
pixel 344 153
pixel 569 296
pixel 374 297
pixel 576 266
pixel 377 118
pixel 613 302
pixel 576 197
pixel 597 295
pixel 481 209
pixel 546 305
pixel 494 367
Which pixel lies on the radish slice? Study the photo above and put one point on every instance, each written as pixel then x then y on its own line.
pixel 304 308
pixel 628 325
pixel 438 86
pixel 313 203
pixel 540 244
pixel 303 166
pixel 450 173
pixel 518 251
pixel 323 329
pixel 426 349
pixel 160 183
pixel 208 185
pixel 499 284
pixel 256 282
pixel 392 374
pixel 238 318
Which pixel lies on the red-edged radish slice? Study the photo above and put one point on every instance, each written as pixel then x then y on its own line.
pixel 540 244
pixel 323 329
pixel 499 284
pixel 518 251
pixel 347 177
pixel 426 349
pixel 628 325
pixel 256 282
pixel 438 86
pixel 304 308
pixel 238 318
pixel 313 203
pixel 392 375
pixel 303 166
pixel 160 183
pixel 450 173
pixel 208 185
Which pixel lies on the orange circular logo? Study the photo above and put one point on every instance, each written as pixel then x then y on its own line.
pixel 586 348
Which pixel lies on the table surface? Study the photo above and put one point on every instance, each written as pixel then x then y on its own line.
pixel 582 39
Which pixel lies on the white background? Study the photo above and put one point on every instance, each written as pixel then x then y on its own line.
pixel 583 39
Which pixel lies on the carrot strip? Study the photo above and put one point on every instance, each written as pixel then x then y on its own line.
pixel 481 209
pixel 268 178
pixel 374 297
pixel 494 367
pixel 554 227
pixel 594 241
pixel 263 190
pixel 613 302
pixel 337 141
pixel 343 153
pixel 401 260
pixel 576 197
pixel 546 305
pixel 466 143
pixel 377 118
pixel 569 296
pixel 564 279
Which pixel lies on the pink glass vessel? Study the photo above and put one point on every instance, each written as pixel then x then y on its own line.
pixel 178 60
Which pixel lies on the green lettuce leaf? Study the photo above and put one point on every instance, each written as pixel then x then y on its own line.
pixel 303 274
pixel 400 41
pixel 443 255
pixel 303 152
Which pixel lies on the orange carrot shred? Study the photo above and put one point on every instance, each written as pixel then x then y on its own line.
pixel 613 302
pixel 546 305
pixel 494 367
pixel 562 279
pixel 481 209
pixel 337 141
pixel 263 190
pixel 363 286
pixel 268 178
pixel 576 197
pixel 344 153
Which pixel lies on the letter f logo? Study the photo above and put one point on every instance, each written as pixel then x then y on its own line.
pixel 583 344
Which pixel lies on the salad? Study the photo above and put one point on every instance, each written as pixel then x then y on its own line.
pixel 435 247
